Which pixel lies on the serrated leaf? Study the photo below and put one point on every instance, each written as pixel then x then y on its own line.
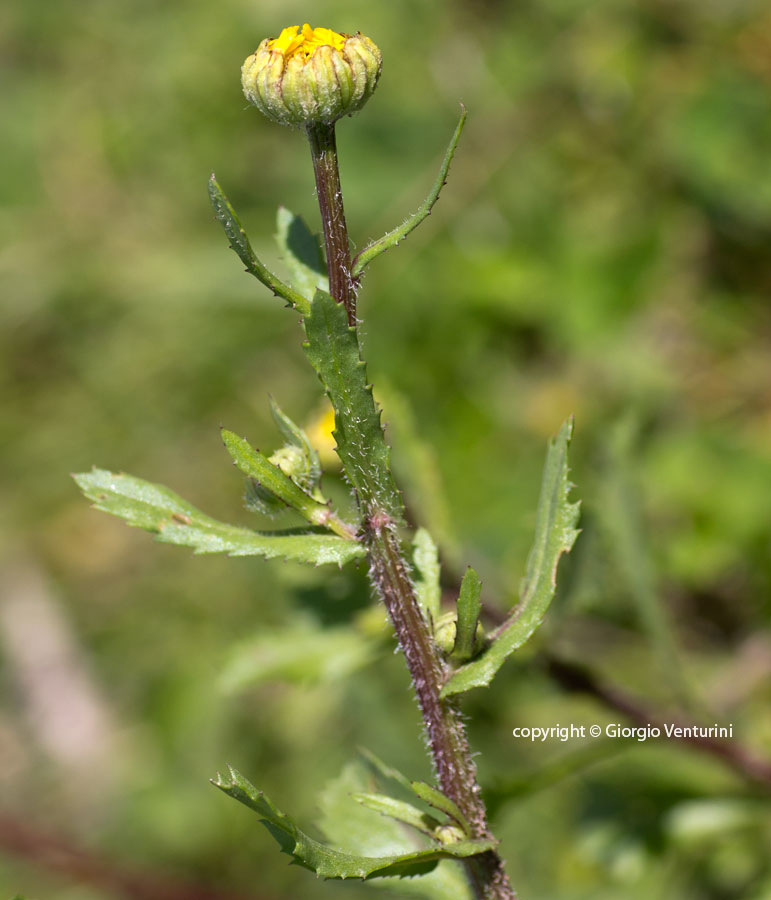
pixel 300 249
pixel 469 608
pixel 440 801
pixel 296 437
pixel 425 558
pixel 393 238
pixel 360 829
pixel 329 862
pixel 175 521
pixel 254 465
pixel 555 534
pixel 399 810
pixel 239 242
pixel 333 350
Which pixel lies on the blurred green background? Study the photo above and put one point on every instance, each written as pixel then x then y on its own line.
pixel 603 248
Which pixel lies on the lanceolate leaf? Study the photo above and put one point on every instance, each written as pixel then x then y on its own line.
pixel 398 234
pixel 555 534
pixel 328 862
pixel 156 508
pixel 440 801
pixel 427 588
pixel 333 350
pixel 240 243
pixel 296 437
pixel 360 829
pixel 469 607
pixel 399 810
pixel 254 465
pixel 301 253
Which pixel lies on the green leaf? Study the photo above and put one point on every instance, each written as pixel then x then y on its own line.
pixel 384 770
pixel 301 252
pixel 254 465
pixel 440 801
pixel 399 810
pixel 425 558
pixel 300 653
pixel 417 470
pixel 156 508
pixel 333 350
pixel 329 862
pixel 363 830
pixel 392 239
pixel 296 437
pixel 469 607
pixel 239 242
pixel 555 534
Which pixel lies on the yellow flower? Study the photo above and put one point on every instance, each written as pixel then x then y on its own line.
pixel 320 434
pixel 310 76
pixel 295 40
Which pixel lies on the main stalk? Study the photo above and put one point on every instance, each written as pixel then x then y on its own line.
pixel 330 196
pixel 447 740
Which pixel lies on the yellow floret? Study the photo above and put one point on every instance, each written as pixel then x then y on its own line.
pixel 296 41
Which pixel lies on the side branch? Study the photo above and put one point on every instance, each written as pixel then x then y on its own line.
pixel 393 238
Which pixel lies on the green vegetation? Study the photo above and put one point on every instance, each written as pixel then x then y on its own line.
pixel 602 250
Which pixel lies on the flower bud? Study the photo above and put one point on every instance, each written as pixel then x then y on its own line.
pixel 449 834
pixel 311 76
pixel 445 630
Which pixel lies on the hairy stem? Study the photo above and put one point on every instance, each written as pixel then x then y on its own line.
pixel 330 195
pixel 446 735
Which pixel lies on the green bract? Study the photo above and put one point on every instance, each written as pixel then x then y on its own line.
pixel 311 76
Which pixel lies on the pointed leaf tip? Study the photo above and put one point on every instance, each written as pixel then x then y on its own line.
pixel 393 238
pixel 175 521
pixel 555 534
pixel 240 243
pixel 329 862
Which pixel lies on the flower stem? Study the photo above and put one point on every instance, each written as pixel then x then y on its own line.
pixel 330 196
pixel 447 741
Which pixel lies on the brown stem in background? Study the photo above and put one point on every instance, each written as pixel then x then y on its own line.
pixel 578 679
pixel 61 856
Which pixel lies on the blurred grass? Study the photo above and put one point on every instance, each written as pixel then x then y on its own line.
pixel 602 247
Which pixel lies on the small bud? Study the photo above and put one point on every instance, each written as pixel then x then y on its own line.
pixel 445 630
pixel 311 76
pixel 449 834
pixel 291 461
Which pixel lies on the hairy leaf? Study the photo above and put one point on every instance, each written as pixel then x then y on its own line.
pixel 333 350
pixel 399 810
pixel 302 255
pixel 555 534
pixel 296 437
pixel 393 238
pixel 329 862
pixel 239 242
pixel 426 560
pixel 440 801
pixel 469 607
pixel 362 830
pixel 254 465
pixel 156 508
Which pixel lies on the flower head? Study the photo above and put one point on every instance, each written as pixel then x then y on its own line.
pixel 310 76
